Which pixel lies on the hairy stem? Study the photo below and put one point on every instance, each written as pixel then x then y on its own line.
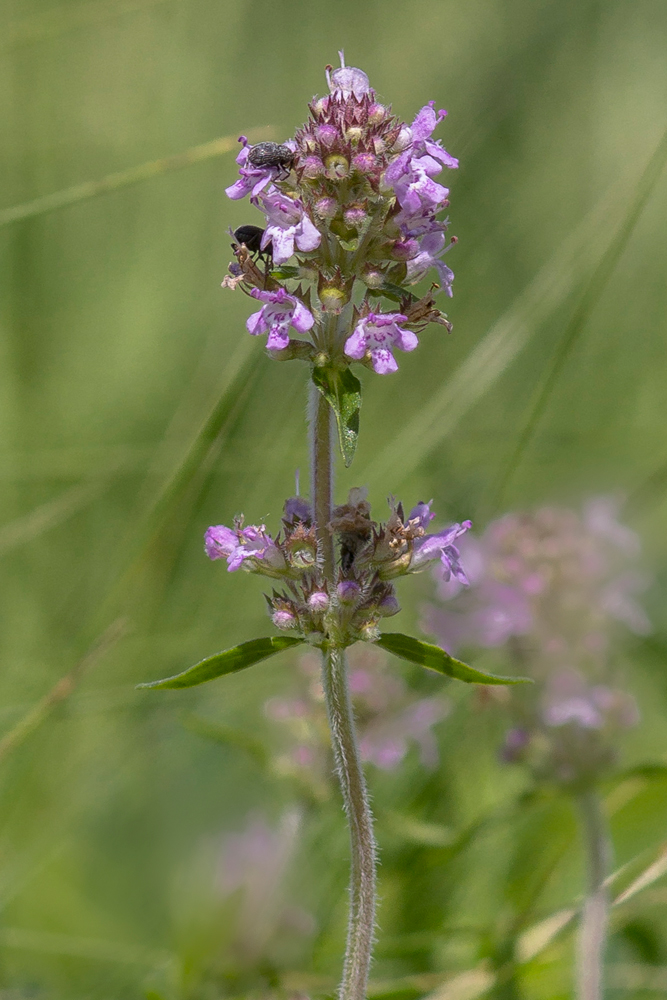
pixel 341 722
pixel 321 467
pixel 361 922
pixel 593 928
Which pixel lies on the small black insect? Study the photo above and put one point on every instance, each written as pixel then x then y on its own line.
pixel 252 237
pixel 272 154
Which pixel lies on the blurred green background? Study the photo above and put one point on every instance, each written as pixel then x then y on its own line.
pixel 118 345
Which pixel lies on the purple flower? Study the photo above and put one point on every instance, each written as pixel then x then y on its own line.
pixel 347 80
pixel 411 177
pixel 411 173
pixel 348 591
pixel 431 249
pixel 441 545
pixel 253 179
pixel 279 312
pixel 287 224
pixel 378 333
pixel 385 741
pixel 422 513
pixel 237 545
pixel 422 128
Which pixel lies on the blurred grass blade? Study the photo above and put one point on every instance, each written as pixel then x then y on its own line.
pixel 69 17
pixel 439 416
pixel 47 515
pixel 93 949
pixel 194 462
pixel 60 691
pixel 227 662
pixel 434 658
pixel 591 296
pixel 125 178
pixel 229 737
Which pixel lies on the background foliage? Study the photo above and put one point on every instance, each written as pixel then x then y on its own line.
pixel 118 345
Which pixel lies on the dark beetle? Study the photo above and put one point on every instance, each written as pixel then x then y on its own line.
pixel 252 237
pixel 271 154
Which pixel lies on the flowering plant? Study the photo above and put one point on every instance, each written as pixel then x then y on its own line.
pixel 353 219
pixel 551 588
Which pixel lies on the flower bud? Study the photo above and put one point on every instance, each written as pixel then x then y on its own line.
pixel 337 166
pixel 284 619
pixel 404 139
pixel 354 134
pixel 364 162
pixel 376 114
pixel 326 208
pixel 320 105
pixel 388 606
pixel 405 249
pixel 348 592
pixel 318 601
pixel 355 214
pixel 332 299
pixel 334 293
pixel 297 509
pixel 369 632
pixel 327 134
pixel 312 167
pixel 372 277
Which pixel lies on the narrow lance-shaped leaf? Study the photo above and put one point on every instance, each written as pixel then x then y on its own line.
pixel 227 662
pixel 435 658
pixel 342 390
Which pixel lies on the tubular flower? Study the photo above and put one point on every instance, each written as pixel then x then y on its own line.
pixel 240 544
pixel 441 546
pixel 431 249
pixel 377 334
pixel 287 224
pixel 279 312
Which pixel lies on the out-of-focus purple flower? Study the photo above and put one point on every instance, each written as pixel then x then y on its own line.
pixel 385 742
pixel 441 545
pixel 286 224
pixel 431 249
pixel 251 866
pixel 601 518
pixel 279 312
pixel 253 179
pixel 237 545
pixel 569 700
pixel 617 601
pixel 379 333
pixel 390 718
pixel 347 80
pixel 554 576
pixel 516 741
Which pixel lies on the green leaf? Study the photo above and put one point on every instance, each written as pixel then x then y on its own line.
pixel 434 658
pixel 285 271
pixel 342 389
pixel 227 662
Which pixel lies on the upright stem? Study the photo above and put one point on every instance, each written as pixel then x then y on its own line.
pixel 321 468
pixel 593 929
pixel 361 923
